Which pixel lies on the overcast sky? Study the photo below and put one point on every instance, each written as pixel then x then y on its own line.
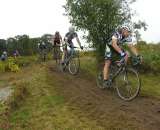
pixel 36 17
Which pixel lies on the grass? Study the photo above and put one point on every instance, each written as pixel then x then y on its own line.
pixel 44 108
pixel 150 85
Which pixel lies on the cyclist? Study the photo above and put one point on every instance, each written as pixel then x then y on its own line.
pixel 16 54
pixel 68 42
pixel 57 40
pixel 122 36
pixel 42 45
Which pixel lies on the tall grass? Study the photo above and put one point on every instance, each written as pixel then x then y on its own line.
pixel 13 65
pixel 151 57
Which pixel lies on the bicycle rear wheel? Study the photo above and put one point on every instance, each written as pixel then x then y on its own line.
pixel 74 64
pixel 128 84
pixel 58 58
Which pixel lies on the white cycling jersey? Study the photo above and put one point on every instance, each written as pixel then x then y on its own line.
pixel 131 39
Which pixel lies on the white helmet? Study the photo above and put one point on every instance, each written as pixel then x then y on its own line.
pixel 43 43
pixel 71 29
pixel 126 28
pixel 5 53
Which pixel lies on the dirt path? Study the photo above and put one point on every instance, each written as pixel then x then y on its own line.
pixel 104 107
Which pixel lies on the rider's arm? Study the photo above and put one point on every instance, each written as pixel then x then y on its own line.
pixel 60 39
pixel 132 44
pixel 115 46
pixel 78 41
pixel 52 40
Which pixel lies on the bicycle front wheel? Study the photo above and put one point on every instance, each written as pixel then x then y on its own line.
pixel 74 65
pixel 128 84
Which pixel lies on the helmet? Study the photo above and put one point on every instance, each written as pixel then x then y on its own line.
pixel 126 28
pixel 5 53
pixel 71 29
pixel 57 32
pixel 43 44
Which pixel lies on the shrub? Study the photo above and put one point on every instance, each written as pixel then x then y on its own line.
pixel 9 66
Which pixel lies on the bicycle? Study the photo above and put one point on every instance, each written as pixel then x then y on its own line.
pixel 123 78
pixel 57 54
pixel 72 62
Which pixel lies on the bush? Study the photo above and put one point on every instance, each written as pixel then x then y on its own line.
pixel 25 61
pixel 151 57
pixel 13 65
pixel 9 66
pixel 2 67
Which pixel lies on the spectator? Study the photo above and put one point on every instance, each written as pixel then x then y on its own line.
pixel 16 54
pixel 4 56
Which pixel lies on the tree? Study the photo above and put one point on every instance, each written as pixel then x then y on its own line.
pixel 2 45
pixel 11 45
pixel 99 18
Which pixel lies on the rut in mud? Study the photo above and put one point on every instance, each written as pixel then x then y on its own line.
pixel 103 106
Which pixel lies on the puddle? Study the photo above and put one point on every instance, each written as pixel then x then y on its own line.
pixel 5 93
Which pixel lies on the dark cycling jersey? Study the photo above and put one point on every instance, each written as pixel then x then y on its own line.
pixel 57 39
pixel 42 46
pixel 70 36
pixel 3 57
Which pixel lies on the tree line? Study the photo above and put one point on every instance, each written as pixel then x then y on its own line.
pixel 24 44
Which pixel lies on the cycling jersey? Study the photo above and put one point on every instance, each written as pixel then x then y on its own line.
pixel 57 39
pixel 70 36
pixel 131 39
pixel 42 46
pixel 120 39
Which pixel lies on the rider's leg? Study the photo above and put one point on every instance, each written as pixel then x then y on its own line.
pixel 127 56
pixel 106 69
pixel 108 57
pixel 64 54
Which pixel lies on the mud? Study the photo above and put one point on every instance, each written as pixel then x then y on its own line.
pixel 104 106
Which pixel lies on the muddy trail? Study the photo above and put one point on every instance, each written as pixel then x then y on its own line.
pixel 103 106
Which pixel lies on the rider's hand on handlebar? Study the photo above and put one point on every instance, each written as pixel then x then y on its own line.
pixel 139 59
pixel 123 54
pixel 81 47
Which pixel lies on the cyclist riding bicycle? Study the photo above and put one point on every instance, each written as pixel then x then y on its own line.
pixel 56 42
pixel 68 42
pixel 16 54
pixel 122 36
pixel 42 45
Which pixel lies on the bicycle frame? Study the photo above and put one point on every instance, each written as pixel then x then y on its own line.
pixel 68 58
pixel 117 72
